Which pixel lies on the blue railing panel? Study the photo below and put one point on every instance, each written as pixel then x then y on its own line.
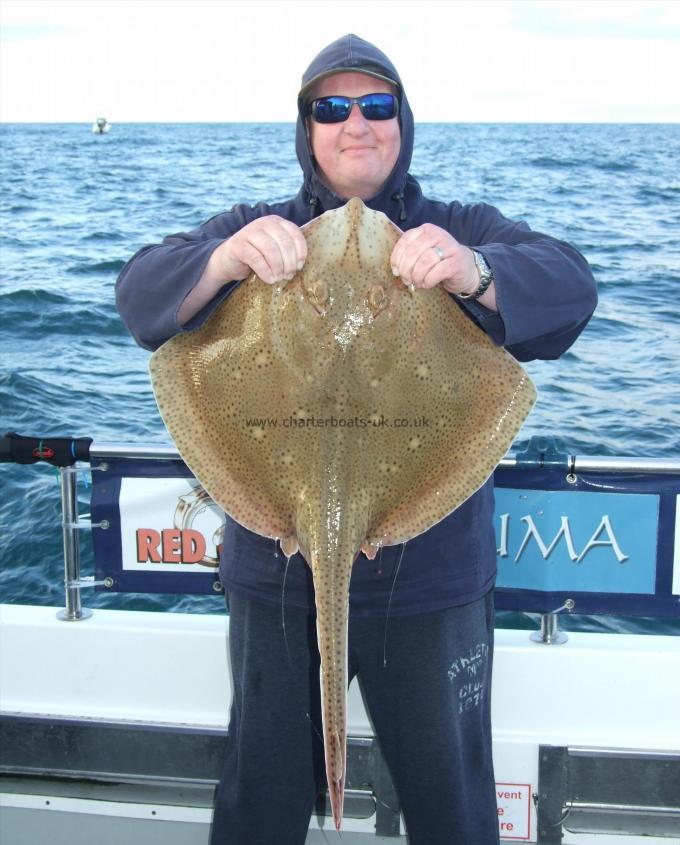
pixel 604 539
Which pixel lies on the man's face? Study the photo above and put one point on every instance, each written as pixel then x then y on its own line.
pixel 354 158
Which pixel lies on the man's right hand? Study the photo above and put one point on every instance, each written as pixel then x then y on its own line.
pixel 271 246
pixel 274 248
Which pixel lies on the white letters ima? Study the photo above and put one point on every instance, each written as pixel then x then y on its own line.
pixel 564 531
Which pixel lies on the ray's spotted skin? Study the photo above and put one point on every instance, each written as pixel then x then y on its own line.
pixel 296 406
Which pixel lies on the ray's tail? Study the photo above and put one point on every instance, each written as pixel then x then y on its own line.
pixel 331 583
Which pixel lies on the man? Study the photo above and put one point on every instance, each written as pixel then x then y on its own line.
pixel 530 293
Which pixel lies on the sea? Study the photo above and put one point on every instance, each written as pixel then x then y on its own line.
pixel 75 206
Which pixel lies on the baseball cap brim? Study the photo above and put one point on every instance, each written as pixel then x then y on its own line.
pixel 312 82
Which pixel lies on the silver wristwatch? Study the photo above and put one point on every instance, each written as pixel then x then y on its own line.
pixel 485 277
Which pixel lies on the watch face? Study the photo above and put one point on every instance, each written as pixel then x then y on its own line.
pixel 484 268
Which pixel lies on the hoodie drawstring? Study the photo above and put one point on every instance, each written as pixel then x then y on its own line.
pixel 313 202
pixel 397 196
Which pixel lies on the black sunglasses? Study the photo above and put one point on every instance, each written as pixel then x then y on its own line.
pixel 336 109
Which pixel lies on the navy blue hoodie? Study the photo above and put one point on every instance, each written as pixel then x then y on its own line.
pixel 545 295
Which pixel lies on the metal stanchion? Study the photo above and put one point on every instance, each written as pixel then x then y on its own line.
pixel 73 611
pixel 71 524
pixel 549 633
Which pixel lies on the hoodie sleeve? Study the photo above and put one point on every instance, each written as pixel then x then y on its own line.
pixel 155 281
pixel 545 291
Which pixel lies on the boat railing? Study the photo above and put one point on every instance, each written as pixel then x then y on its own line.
pixel 594 535
pixel 543 451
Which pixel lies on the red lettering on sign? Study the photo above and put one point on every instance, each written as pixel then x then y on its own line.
pixel 172 545
pixel 148 541
pixel 514 811
pixel 193 546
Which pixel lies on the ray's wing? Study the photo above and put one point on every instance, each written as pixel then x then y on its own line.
pixel 450 403
pixel 223 394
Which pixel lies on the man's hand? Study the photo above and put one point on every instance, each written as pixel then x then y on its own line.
pixel 430 256
pixel 271 246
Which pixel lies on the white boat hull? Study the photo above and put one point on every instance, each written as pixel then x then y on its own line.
pixel 597 694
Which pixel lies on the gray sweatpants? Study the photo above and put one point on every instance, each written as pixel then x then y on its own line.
pixel 429 703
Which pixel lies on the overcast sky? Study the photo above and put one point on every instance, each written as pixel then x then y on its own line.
pixel 216 60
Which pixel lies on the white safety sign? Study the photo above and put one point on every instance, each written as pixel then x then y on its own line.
pixel 514 811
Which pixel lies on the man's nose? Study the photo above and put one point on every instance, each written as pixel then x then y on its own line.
pixel 356 121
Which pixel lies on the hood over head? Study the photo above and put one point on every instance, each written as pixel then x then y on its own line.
pixel 351 53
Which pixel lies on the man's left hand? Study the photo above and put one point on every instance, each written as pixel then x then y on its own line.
pixel 429 256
